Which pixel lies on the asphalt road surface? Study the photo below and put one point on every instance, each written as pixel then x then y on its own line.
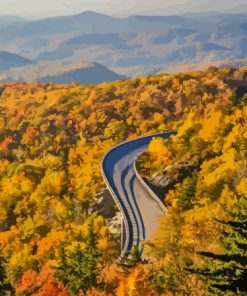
pixel 140 208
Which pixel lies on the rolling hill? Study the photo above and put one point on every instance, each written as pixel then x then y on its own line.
pixel 9 60
pixel 83 72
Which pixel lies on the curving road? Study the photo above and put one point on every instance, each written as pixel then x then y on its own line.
pixel 139 206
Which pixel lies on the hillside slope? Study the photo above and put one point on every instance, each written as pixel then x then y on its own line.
pixel 52 140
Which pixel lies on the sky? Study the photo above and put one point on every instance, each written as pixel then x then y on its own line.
pixel 47 8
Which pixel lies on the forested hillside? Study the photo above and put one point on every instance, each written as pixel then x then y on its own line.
pixel 52 140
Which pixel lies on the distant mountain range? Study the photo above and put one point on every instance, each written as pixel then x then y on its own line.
pixel 130 46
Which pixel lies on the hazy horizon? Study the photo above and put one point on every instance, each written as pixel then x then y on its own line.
pixel 34 10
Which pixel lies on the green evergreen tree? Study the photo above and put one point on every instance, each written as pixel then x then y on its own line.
pixel 239 96
pixel 187 192
pixel 166 279
pixel 79 269
pixel 133 257
pixel 227 272
pixel 5 286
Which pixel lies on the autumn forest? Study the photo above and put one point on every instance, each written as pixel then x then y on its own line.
pixel 53 240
